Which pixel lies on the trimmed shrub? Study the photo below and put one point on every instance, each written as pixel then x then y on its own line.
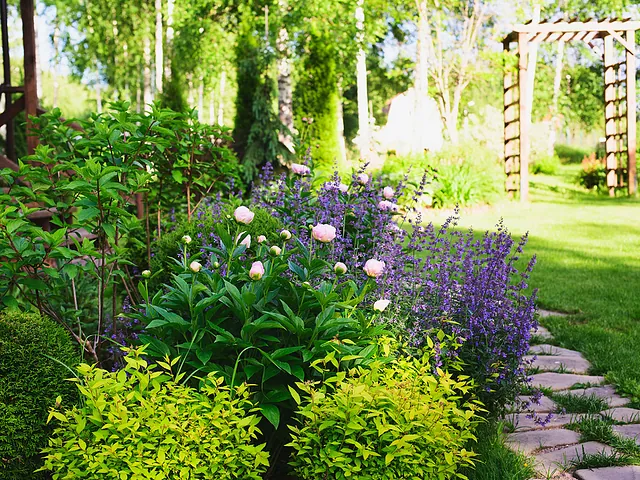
pixel 571 154
pixel 29 385
pixel 141 423
pixel 593 175
pixel 546 165
pixel 395 421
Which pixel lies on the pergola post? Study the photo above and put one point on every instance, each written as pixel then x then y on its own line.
pixel 610 116
pixel 523 50
pixel 27 10
pixel 632 178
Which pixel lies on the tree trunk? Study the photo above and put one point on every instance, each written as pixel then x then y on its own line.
pixel 159 49
pixel 98 98
pixel 169 44
pixel 56 63
pixel 190 96
pixel 38 57
pixel 146 77
pixel 223 81
pixel 201 100
pixel 212 110
pixel 285 87
pixel 138 96
pixel 421 80
pixel 557 82
pixel 364 135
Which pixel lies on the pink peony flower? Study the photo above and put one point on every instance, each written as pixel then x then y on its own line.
pixel 299 169
pixel 386 205
pixel 262 239
pixel 343 188
pixel 380 305
pixel 388 193
pixel 373 268
pixel 323 233
pixel 363 179
pixel 195 266
pixel 257 271
pixel 246 241
pixel 243 215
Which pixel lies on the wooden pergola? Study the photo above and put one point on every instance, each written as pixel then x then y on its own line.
pixel 28 99
pixel 619 93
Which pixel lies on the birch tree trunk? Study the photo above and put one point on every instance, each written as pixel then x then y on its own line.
pixel 212 110
pixel 557 82
pixel 201 100
pixel 421 79
pixel 146 77
pixel 159 49
pixel 364 135
pixel 98 98
pixel 223 81
pixel 169 44
pixel 56 63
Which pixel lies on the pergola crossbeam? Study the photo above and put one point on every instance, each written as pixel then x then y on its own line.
pixel 620 98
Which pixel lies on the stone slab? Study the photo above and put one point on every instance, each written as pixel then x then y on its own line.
pixel 606 392
pixel 563 381
pixel 545 405
pixel 546 349
pixel 629 431
pixel 522 423
pixel 541 332
pixel 552 363
pixel 631 472
pixel 558 460
pixel 623 414
pixel 550 313
pixel 529 442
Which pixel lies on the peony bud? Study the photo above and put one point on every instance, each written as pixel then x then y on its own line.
pixel 195 266
pixel 262 239
pixel 299 169
pixel 186 239
pixel 388 193
pixel 285 235
pixel 275 250
pixel 146 273
pixel 243 215
pixel 373 268
pixel 323 233
pixel 340 268
pixel 380 305
pixel 386 205
pixel 257 271
pixel 363 178
pixel 216 264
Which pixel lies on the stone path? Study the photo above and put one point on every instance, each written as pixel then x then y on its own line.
pixel 554 447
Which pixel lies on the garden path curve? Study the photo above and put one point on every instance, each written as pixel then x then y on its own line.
pixel 556 446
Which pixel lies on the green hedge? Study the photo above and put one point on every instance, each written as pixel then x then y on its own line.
pixel 29 385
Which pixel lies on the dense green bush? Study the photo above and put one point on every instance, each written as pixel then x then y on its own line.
pixel 593 175
pixel 393 421
pixel 29 385
pixel 571 154
pixel 141 423
pixel 466 174
pixel 545 164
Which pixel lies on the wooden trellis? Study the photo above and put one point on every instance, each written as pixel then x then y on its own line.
pixel 620 98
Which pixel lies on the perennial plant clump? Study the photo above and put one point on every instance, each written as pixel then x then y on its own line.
pixel 438 278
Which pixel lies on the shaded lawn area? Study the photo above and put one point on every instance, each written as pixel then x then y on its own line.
pixel 588 250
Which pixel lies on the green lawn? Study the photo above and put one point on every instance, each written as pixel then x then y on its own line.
pixel 588 250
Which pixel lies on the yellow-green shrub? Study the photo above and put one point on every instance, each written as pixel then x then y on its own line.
pixel 141 423
pixel 394 421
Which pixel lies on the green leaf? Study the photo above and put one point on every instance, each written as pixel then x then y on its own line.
pixel 271 413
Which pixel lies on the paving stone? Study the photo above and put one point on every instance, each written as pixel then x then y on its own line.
pixel 551 363
pixel 550 313
pixel 556 460
pixel 562 381
pixel 522 424
pixel 606 392
pixel 630 431
pixel 542 333
pixel 631 472
pixel 622 414
pixel 529 442
pixel 545 405
pixel 546 349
